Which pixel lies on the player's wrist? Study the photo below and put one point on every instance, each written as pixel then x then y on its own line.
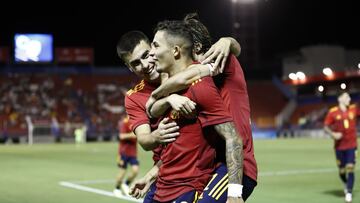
pixel 147 178
pixel 154 136
pixel 235 190
pixel 203 71
pixel 211 69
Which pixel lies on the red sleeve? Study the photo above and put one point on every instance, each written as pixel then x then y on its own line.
pixel 136 112
pixel 212 110
pixel 230 64
pixel 329 119
pixel 125 126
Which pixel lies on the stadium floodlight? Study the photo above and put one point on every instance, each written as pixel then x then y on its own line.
pixel 292 76
pixel 320 88
pixel 301 75
pixel 327 71
pixel 343 86
pixel 359 65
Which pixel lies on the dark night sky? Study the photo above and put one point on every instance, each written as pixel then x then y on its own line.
pixel 284 25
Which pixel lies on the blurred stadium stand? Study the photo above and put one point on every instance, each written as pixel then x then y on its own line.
pixel 68 96
pixel 266 101
pixel 71 92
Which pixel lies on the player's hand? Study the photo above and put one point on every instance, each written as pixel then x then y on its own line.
pixel 234 200
pixel 182 104
pixel 219 53
pixel 337 135
pixel 139 188
pixel 166 132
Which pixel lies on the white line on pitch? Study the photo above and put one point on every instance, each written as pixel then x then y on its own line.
pixel 297 172
pixel 92 181
pixel 97 191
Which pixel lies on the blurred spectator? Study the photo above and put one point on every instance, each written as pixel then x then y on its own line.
pixel 61 101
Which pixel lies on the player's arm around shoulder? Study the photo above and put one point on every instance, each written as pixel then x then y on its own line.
pixel 177 102
pixel 181 80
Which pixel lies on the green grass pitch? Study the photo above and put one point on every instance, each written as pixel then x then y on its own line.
pixel 291 171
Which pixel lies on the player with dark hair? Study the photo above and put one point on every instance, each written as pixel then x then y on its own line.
pixel 232 86
pixel 133 48
pixel 172 49
pixel 340 124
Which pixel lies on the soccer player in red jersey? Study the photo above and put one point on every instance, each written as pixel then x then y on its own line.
pixel 172 50
pixel 127 154
pixel 232 86
pixel 133 49
pixel 340 124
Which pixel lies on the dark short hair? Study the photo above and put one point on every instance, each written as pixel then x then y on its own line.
pixel 129 41
pixel 199 31
pixel 176 28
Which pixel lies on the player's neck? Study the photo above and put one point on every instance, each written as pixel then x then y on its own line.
pixel 154 82
pixel 179 66
pixel 342 107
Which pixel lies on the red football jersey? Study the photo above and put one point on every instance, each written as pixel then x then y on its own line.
pixel 233 90
pixel 188 162
pixel 135 101
pixel 344 122
pixel 126 147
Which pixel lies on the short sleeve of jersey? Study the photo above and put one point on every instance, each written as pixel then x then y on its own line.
pixel 329 118
pixel 230 65
pixel 136 112
pixel 212 110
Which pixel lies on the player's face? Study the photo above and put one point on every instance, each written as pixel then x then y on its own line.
pixel 345 99
pixel 141 63
pixel 161 50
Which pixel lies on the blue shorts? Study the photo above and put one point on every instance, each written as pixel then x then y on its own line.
pixel 344 157
pixel 124 160
pixel 150 194
pixel 216 190
pixel 188 197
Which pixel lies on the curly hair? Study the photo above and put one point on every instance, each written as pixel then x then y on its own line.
pixel 199 32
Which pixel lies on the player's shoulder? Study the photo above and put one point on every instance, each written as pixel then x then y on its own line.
pixel 232 60
pixel 137 88
pixel 353 106
pixel 202 81
pixel 333 109
pixel 232 57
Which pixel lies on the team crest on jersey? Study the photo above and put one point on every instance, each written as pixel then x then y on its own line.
pixel 137 88
pixel 174 115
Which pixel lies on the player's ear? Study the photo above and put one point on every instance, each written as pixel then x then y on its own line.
pixel 176 52
pixel 197 47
